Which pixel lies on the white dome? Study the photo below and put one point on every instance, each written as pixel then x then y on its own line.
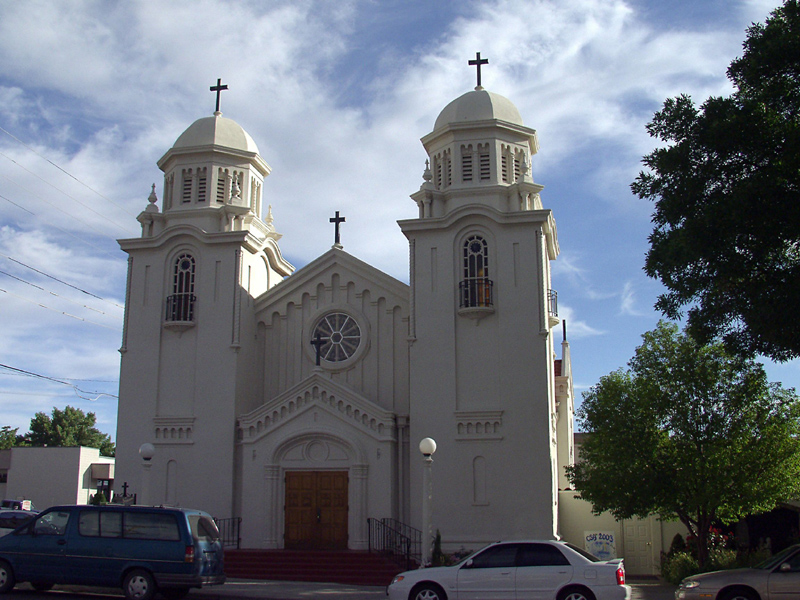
pixel 479 105
pixel 218 131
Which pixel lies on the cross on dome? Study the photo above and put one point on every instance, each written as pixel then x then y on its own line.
pixel 477 63
pixel 336 220
pixel 219 87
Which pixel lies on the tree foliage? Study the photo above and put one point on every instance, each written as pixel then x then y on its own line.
pixel 68 427
pixel 726 187
pixel 689 432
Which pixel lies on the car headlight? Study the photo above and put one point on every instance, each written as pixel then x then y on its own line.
pixel 687 585
pixel 397 579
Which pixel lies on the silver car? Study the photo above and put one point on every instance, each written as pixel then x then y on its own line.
pixel 524 570
pixel 775 579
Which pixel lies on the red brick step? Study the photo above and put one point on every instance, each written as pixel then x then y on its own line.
pixel 349 567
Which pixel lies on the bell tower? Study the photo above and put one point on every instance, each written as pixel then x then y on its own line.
pixel 188 354
pixel 481 356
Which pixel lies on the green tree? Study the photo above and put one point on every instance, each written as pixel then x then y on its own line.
pixel 726 187
pixel 68 427
pixel 8 437
pixel 689 432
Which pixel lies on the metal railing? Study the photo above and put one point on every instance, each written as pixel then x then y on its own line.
pixel 552 303
pixel 229 530
pixel 180 307
pixel 476 292
pixel 401 542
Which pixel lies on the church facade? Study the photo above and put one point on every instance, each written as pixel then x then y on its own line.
pixel 296 399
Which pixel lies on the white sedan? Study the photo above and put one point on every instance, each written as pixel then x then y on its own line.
pixel 536 570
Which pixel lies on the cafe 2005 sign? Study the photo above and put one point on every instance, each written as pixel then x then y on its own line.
pixel 603 544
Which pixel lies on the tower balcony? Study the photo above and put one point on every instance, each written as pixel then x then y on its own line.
pixel 476 297
pixel 180 311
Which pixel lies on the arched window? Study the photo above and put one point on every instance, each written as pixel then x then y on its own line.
pixel 476 287
pixel 180 305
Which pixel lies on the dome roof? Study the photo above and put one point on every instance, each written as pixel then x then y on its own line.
pixel 478 105
pixel 216 130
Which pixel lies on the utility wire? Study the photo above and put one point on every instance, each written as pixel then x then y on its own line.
pixel 58 280
pixel 86 206
pixel 66 314
pixel 38 287
pixel 53 379
pixel 65 232
pixel 67 173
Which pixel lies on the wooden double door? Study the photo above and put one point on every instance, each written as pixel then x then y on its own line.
pixel 316 510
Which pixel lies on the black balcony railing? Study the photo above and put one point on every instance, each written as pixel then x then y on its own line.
pixel 475 292
pixel 229 530
pixel 552 303
pixel 180 307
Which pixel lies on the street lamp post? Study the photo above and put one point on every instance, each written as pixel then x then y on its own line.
pixel 146 451
pixel 427 447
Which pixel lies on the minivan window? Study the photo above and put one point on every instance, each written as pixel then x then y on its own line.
pixel 93 523
pixel 151 526
pixel 203 528
pixel 52 523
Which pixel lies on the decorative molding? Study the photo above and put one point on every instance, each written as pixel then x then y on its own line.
pixel 479 425
pixel 173 430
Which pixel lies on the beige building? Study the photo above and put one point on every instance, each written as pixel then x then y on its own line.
pixel 296 400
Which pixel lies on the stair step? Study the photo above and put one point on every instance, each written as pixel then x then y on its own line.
pixel 349 567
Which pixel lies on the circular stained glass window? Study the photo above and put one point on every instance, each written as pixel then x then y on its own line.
pixel 340 337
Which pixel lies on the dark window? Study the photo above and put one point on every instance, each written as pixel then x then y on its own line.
pixel 95 523
pixel 541 555
pixel 502 555
pixel 476 287
pixel 340 336
pixel 52 523
pixel 180 305
pixel 151 526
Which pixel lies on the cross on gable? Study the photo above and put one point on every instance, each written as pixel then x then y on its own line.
pixel 219 87
pixel 336 220
pixel 318 343
pixel 477 63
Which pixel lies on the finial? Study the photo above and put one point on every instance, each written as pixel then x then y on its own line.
pixel 236 193
pixel 152 198
pixel 269 219
pixel 427 175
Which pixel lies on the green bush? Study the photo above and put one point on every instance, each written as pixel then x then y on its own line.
pixel 678 565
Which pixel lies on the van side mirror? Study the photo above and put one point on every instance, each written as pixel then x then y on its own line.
pixel 785 568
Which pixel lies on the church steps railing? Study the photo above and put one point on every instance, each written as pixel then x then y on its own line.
pixel 229 531
pixel 400 542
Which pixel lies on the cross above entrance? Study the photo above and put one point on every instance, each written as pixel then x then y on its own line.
pixel 336 220
pixel 477 63
pixel 219 87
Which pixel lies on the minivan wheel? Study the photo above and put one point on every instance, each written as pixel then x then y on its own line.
pixel 7 580
pixel 139 585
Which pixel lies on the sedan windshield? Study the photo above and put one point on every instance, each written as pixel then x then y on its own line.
pixel 776 560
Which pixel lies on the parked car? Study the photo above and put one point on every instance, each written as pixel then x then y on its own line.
pixel 775 578
pixel 140 549
pixel 17 504
pixel 12 519
pixel 518 570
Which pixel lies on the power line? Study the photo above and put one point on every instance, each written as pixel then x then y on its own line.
pixel 66 314
pixel 78 390
pixel 38 287
pixel 87 207
pixel 67 173
pixel 58 280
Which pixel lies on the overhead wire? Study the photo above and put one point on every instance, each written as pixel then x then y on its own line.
pixel 53 379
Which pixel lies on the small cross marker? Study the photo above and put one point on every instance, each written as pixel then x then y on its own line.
pixel 336 220
pixel 477 63
pixel 219 87
pixel 318 342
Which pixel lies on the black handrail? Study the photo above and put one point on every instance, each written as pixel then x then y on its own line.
pixel 401 542
pixel 552 303
pixel 476 292
pixel 180 307
pixel 229 530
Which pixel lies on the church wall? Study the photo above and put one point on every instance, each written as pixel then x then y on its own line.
pixel 482 390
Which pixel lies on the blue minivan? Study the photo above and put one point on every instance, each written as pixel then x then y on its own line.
pixel 140 549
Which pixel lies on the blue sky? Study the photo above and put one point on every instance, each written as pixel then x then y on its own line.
pixel 336 95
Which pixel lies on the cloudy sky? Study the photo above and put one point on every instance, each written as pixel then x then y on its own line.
pixel 336 94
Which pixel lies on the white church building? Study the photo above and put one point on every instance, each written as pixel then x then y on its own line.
pixel 296 399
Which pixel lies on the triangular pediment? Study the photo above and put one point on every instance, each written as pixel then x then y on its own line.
pixel 347 268
pixel 317 392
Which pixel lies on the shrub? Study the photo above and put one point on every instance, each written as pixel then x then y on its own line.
pixel 677 566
